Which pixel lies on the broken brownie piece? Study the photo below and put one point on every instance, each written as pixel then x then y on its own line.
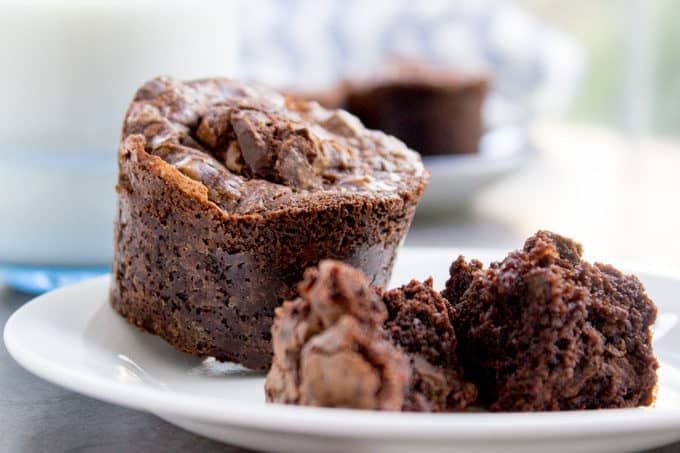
pixel 329 346
pixel 545 330
pixel 419 321
pixel 340 345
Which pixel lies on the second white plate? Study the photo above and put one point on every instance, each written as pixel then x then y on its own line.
pixel 457 178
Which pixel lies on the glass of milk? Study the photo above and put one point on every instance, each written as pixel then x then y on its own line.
pixel 70 69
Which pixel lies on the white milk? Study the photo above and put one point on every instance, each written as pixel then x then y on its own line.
pixel 67 72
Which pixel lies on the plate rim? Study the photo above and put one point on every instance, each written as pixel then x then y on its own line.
pixel 325 421
pixel 457 178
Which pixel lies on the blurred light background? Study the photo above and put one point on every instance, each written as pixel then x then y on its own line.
pixel 632 79
pixel 590 87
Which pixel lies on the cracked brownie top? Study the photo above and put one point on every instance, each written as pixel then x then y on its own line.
pixel 256 150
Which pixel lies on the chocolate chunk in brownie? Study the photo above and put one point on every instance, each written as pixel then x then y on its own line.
pixel 329 346
pixel 419 321
pixel 545 330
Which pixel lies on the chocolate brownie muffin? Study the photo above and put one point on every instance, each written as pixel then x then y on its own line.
pixel 341 345
pixel 545 330
pixel 228 191
pixel 434 110
pixel 419 321
pixel 329 346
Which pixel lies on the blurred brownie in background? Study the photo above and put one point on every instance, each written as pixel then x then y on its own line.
pixel 434 110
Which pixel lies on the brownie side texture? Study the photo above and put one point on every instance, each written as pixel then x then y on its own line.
pixel 545 330
pixel 228 192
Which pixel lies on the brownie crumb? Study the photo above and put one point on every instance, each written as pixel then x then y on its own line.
pixel 329 346
pixel 461 276
pixel 545 330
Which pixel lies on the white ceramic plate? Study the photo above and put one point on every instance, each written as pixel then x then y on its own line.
pixel 457 178
pixel 72 338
